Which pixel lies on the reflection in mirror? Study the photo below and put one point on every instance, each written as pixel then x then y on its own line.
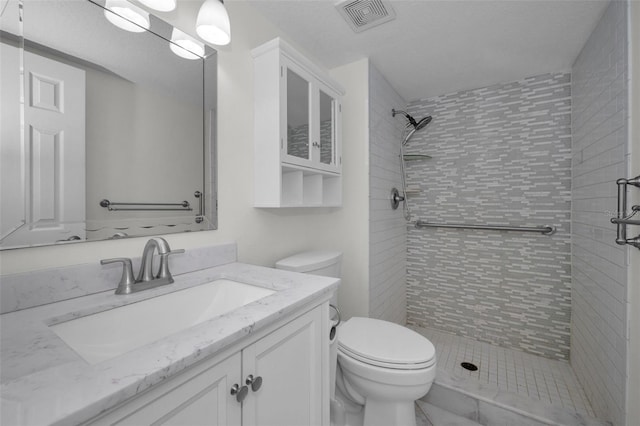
pixel 297 115
pixel 327 130
pixel 117 133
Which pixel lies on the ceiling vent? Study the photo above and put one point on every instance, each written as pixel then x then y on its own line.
pixel 364 14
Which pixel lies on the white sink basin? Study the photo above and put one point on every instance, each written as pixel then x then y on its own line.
pixel 107 334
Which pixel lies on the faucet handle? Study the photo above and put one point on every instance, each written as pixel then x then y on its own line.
pixel 127 279
pixel 164 264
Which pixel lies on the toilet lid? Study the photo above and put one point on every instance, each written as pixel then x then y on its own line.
pixel 385 344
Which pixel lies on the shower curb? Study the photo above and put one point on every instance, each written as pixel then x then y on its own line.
pixel 493 407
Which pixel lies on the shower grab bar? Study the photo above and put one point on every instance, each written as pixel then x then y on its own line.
pixel 622 220
pixel 112 206
pixel 546 230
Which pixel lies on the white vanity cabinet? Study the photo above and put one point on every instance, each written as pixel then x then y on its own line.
pixel 298 130
pixel 199 396
pixel 290 362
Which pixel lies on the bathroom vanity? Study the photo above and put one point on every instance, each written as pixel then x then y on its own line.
pixel 264 362
pixel 272 378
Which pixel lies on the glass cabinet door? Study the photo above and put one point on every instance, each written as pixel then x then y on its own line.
pixel 327 129
pixel 298 134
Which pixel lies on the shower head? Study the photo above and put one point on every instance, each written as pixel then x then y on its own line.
pixel 423 123
pixel 417 125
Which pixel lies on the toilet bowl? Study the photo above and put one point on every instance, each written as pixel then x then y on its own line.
pixel 382 367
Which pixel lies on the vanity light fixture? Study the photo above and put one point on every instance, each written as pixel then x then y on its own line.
pixel 186 46
pixel 126 16
pixel 161 5
pixel 213 23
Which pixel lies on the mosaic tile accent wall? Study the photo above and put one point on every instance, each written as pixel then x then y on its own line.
pixel 599 336
pixel 387 227
pixel 501 155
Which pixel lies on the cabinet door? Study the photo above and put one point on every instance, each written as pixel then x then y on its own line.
pixel 298 130
pixel 200 396
pixel 327 140
pixel 289 363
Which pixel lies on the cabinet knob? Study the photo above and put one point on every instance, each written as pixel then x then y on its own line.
pixel 255 382
pixel 316 144
pixel 239 392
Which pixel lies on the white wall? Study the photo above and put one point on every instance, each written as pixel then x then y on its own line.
pixel 263 236
pixel 633 274
pixel 12 210
pixel 353 219
pixel 115 107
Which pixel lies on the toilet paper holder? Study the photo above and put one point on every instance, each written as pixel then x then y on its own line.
pixel 332 331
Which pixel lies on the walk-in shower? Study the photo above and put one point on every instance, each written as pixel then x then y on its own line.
pixel 411 127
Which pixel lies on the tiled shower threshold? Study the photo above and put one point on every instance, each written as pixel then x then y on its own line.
pixel 510 387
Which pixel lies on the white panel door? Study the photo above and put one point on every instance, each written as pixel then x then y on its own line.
pixel 289 363
pixel 54 153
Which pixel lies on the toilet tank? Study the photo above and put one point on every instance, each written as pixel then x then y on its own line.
pixel 320 262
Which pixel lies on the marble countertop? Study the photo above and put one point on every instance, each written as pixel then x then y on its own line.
pixel 45 382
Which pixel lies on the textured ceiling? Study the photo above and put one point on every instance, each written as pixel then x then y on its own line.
pixel 436 47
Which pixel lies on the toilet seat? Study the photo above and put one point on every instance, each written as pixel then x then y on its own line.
pixel 385 344
pixel 389 365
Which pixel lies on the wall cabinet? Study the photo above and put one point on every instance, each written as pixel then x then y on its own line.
pixel 298 130
pixel 276 380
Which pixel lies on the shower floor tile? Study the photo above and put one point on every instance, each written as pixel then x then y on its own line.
pixel 549 381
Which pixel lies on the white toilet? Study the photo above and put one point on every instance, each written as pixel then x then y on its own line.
pixel 382 367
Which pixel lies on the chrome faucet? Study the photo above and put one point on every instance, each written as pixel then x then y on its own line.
pixel 146 278
pixel 162 247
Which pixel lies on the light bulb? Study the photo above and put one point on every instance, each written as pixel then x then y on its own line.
pixel 186 46
pixel 213 23
pixel 126 16
pixel 161 5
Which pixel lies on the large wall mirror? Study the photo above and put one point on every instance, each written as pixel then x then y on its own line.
pixel 105 133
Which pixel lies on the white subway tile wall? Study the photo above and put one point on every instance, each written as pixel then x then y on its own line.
pixel 501 155
pixel 387 228
pixel 599 285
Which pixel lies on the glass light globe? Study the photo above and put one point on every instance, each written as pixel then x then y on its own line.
pixel 185 46
pixel 126 16
pixel 213 23
pixel 161 5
